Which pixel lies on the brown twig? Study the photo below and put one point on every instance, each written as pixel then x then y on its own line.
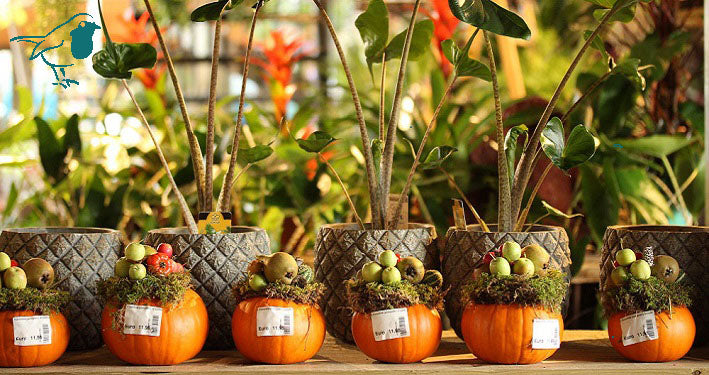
pixel 382 97
pixel 186 213
pixel 209 182
pixel 480 221
pixel 523 216
pixel 344 189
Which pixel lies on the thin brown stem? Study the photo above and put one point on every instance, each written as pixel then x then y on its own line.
pixel 195 150
pixel 390 141
pixel 525 212
pixel 530 226
pixel 419 152
pixel 224 193
pixel 588 92
pixel 480 221
pixel 344 189
pixel 189 220
pixel 220 203
pixel 382 98
pixel 377 219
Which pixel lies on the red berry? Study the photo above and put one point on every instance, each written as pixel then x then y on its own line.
pixel 489 257
pixel 615 264
pixel 14 263
pixel 398 257
pixel 159 264
pixel 639 255
pixel 165 248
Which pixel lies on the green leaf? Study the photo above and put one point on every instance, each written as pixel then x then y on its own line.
pixel 600 207
pixel 316 142
pixel 556 212
pixel 464 65
pixel 657 145
pixel 489 16
pixel 377 152
pixel 373 26
pixel 51 153
pixel 597 43
pixel 511 147
pixel 629 68
pixel 11 201
pixel 420 42
pixel 437 156
pixel 625 15
pixel 253 154
pixel 72 139
pixel 581 145
pixel 212 11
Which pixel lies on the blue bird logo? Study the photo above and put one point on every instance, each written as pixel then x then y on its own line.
pixel 81 47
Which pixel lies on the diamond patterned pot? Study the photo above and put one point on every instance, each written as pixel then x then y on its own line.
pixel 463 248
pixel 688 245
pixel 342 249
pixel 80 257
pixel 217 262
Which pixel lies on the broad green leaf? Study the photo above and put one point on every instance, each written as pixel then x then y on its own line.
pixel 211 11
pixel 420 42
pixel 377 151
pixel 580 147
pixel 51 153
pixel 557 212
pixel 635 182
pixel 11 200
pixel 254 154
pixel 489 16
pixel 316 142
pixel 596 43
pixel 373 26
pixel 629 68
pixel 72 139
pixel 625 15
pixel 657 145
pixel 599 206
pixel 437 156
pixel 464 65
pixel 511 147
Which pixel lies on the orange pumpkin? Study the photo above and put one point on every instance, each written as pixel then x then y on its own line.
pixel 308 332
pixel 12 355
pixel 183 331
pixel 503 333
pixel 424 336
pixel 675 334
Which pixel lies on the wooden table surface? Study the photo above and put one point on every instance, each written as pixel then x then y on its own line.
pixel 582 352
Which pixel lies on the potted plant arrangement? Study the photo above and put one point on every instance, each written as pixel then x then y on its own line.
pixel 513 311
pixel 646 305
pixel 152 316
pixel 218 259
pixel 278 318
pixel 34 331
pixel 396 303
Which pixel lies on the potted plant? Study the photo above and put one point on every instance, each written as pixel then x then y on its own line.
pixel 152 316
pixel 396 303
pixel 646 305
pixel 216 259
pixel 34 331
pixel 278 318
pixel 513 311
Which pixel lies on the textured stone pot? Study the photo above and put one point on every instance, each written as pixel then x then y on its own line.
pixel 217 262
pixel 462 249
pixel 342 249
pixel 688 245
pixel 80 257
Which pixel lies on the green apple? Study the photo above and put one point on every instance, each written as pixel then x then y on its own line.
pixel 625 257
pixel 5 261
pixel 135 252
pixel 391 276
pixel 149 250
pixel 524 267
pixel 641 269
pixel 15 278
pixel 388 258
pixel 121 267
pixel 372 272
pixel 136 271
pixel 619 275
pixel 511 251
pixel 257 282
pixel 500 266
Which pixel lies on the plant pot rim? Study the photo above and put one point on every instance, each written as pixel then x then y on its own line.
pixel 661 228
pixel 354 227
pixel 537 228
pixel 236 229
pixel 87 231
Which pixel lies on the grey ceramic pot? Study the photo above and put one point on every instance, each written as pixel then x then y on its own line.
pixel 216 262
pixel 462 249
pixel 342 249
pixel 80 257
pixel 688 245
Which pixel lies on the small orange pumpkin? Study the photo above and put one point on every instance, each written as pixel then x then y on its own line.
pixel 307 339
pixel 183 331
pixel 675 334
pixel 424 336
pixel 503 333
pixel 12 355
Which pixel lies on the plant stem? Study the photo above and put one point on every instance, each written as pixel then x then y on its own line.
pixel 675 185
pixel 220 203
pixel 504 218
pixel 195 150
pixel 525 212
pixel 189 220
pixel 388 154
pixel 419 152
pixel 377 219
pixel 480 221
pixel 382 97
pixel 224 193
pixel 344 189
pixel 536 222
pixel 588 91
pixel 526 162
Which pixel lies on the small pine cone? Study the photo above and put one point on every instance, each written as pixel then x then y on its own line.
pixel 649 256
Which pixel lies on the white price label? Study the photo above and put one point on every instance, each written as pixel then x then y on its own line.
pixel 274 321
pixel 390 324
pixel 638 327
pixel 32 330
pixel 545 334
pixel 142 320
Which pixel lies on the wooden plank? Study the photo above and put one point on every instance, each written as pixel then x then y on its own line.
pixel 582 352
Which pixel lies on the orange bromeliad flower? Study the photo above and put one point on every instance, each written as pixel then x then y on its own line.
pixel 444 24
pixel 129 29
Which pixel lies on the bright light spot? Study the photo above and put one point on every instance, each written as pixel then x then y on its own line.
pixel 100 128
pixel 474 119
pixel 113 123
pixel 357 154
pixel 86 126
pixel 116 158
pixel 248 207
pixel 405 121
pixel 324 183
pixel 407 104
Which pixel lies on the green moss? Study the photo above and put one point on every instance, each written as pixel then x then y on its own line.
pixel 651 294
pixel 40 301
pixel 309 294
pixel 367 297
pixel 543 291
pixel 168 289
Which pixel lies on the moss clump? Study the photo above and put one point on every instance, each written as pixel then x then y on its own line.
pixel 546 291
pixel 367 297
pixel 168 289
pixel 39 301
pixel 652 294
pixel 308 294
